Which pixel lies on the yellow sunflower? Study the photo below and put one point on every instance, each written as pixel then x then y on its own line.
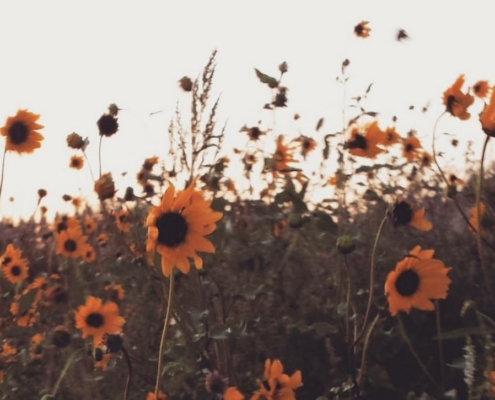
pixel 277 385
pixel 116 291
pixel 363 141
pixel 391 137
pixel 122 220
pixel 161 396
pixel 95 318
pixel 21 132
pixel 410 147
pixel 362 30
pixel 232 394
pixel 89 254
pixel 403 214
pixel 307 145
pixel 487 117
pixel 282 157
pixel 176 228
pixel 10 254
pixel 481 89
pixel 457 102
pixel 89 224
pixel 102 239
pixel 16 271
pixel 416 280
pixel 71 243
pixel 76 162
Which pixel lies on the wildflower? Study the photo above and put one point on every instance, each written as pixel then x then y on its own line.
pixel 487 117
pixel 232 394
pixel 390 137
pixel 415 282
pixel 403 214
pixel 107 125
pixel 105 187
pixel 64 223
pixel 277 385
pixel 89 254
pixel 115 290
pixel 410 147
pixel 121 219
pixel 21 132
pixel 16 271
pixel 95 319
pixel 216 383
pixel 161 396
pixel 149 163
pixel 102 239
pixel 480 89
pixel 71 243
pixel 282 156
pixel 362 30
pixel 76 202
pixel 42 193
pixel 365 144
pixel 426 159
pixel 10 254
pixel 89 225
pixel 76 162
pixel 307 145
pixel 456 102
pixel 75 141
pixel 35 347
pixel 176 228
pixel 57 294
pixel 186 84
pixel 254 133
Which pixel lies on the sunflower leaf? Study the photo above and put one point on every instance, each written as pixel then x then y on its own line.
pixel 270 81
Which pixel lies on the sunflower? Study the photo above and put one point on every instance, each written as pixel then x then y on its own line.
pixel 410 147
pixel 122 220
pixel 21 132
pixel 416 280
pixel 95 318
pixel 403 214
pixel 76 162
pixel 364 141
pixel 16 271
pixel 232 394
pixel 10 254
pixel 115 290
pixel 481 89
pixel 391 137
pixel 426 159
pixel 362 30
pixel 149 163
pixel 71 243
pixel 105 187
pixel 254 133
pixel 307 145
pixel 64 223
pixel 89 254
pixel 277 385
pixel 102 239
pixel 89 224
pixel 456 102
pixel 161 396
pixel 487 117
pixel 107 125
pixel 282 156
pixel 176 228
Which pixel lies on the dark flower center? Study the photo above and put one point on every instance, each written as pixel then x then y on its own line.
pixel 306 144
pixel 389 137
pixel 172 229
pixel 107 125
pixel 18 133
pixel 15 270
pixel 409 148
pixel 95 320
pixel 359 142
pixel 477 88
pixel 402 213
pixel 407 283
pixel 75 162
pixel 70 245
pixel 254 133
pixel 451 100
pixel 359 29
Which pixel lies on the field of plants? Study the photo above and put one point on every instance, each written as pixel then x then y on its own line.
pixel 219 276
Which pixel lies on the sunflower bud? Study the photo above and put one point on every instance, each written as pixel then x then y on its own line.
pixel 107 125
pixel 61 337
pixel 42 193
pixel 186 84
pixel 113 342
pixel 346 244
pixel 129 194
pixel 75 141
pixel 105 187
pixel 113 110
pixel 97 354
pixel 283 68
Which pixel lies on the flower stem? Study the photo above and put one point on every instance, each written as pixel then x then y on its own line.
pixel 89 166
pixel 440 344
pixel 3 170
pixel 372 281
pixel 64 372
pixel 164 333
pixel 348 299
pixel 129 376
pixel 413 352
pixel 363 355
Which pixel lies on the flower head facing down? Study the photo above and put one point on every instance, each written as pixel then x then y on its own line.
pixel 416 280
pixel 107 125
pixel 487 117
pixel 96 319
pixel 410 147
pixel 362 29
pixel 403 214
pixel 105 187
pixel 21 133
pixel 277 385
pixel 457 102
pixel 176 228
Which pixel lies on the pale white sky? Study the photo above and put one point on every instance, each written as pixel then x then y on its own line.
pixel 68 60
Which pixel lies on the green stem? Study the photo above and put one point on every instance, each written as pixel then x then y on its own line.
pixel 64 372
pixel 363 356
pixel 129 375
pixel 164 333
pixel 372 281
pixel 414 353
pixel 89 166
pixel 348 299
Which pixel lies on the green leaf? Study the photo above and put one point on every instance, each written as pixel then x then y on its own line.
pixel 249 292
pixel 26 301
pixel 270 81
pixel 220 331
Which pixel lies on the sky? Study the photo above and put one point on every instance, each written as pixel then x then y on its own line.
pixel 68 60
